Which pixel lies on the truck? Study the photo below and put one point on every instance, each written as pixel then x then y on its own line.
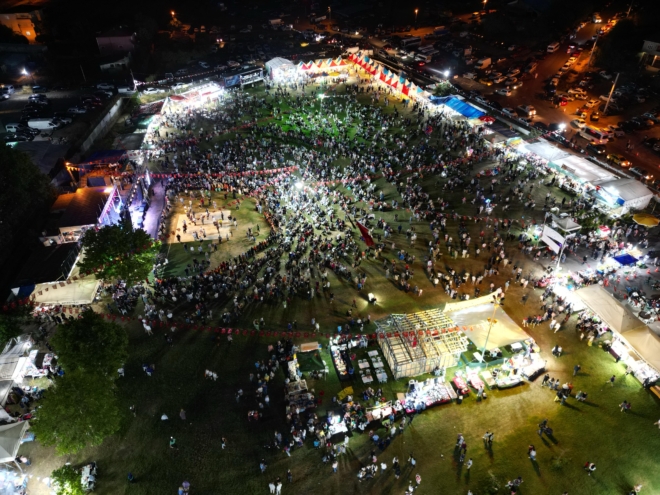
pixel 43 124
pixel 482 63
pixel 275 22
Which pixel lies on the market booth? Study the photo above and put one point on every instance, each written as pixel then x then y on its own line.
pixel 418 343
pixel 626 193
pixel 633 342
pixel 281 69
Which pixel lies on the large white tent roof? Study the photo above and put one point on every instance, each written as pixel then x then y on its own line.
pixel 566 224
pixel 617 316
pixel 280 63
pixel 504 332
pixel 646 343
pixel 626 189
pixel 10 440
pixel 581 168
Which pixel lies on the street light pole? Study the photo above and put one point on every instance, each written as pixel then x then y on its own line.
pixel 609 97
pixel 416 11
pixel 490 327
pixel 592 50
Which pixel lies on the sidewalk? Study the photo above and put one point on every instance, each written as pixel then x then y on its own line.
pixel 152 216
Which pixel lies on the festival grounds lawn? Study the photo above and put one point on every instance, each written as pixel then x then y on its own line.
pixel 624 446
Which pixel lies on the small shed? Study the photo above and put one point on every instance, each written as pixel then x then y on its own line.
pixel 417 343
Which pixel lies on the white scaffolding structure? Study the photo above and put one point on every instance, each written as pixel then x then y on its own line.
pixel 418 343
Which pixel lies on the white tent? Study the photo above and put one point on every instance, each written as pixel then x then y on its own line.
pixel 628 193
pixel 615 315
pixel 504 332
pixel 565 224
pixel 10 440
pixel 646 343
pixel 280 68
pixel 574 166
pixel 77 292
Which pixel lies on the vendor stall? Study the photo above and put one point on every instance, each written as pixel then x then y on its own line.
pixel 341 358
pixel 299 398
pixel 425 394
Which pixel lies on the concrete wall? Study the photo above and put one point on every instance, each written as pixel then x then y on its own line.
pixel 106 123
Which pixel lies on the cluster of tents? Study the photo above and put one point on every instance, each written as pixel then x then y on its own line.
pixel 322 64
pixel 396 81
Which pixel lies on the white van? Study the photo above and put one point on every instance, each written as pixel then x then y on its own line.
pixel 553 47
pixel 125 90
pixel 43 124
pixel 7 88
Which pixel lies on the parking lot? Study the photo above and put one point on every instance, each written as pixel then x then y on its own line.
pixel 59 101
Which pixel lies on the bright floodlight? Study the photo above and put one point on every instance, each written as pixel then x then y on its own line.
pixel 562 126
pixel 299 185
pixel 446 73
pixel 24 72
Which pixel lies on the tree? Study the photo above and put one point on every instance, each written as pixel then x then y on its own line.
pixel 11 321
pixel 619 50
pixel 91 344
pixel 24 198
pixel 67 481
pixel 119 252
pixel 80 410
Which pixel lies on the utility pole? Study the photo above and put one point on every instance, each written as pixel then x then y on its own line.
pixel 83 73
pixel 330 13
pixel 492 322
pixel 629 8
pixel 609 97
pixel 592 50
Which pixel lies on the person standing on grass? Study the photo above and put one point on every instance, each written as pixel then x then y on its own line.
pixel 611 380
pixel 172 443
pixel 271 487
pixel 625 406
pixel 468 465
pixel 335 464
pixel 576 369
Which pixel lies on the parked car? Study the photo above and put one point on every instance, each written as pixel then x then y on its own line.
pixel 63 117
pixel 503 91
pixel 179 85
pixel 596 149
pixel 499 79
pixel 77 109
pixel 618 160
pixel 579 123
pixel 591 103
pixel 616 130
pixel 39 89
pixel 509 112
pixel 104 85
pixel 152 91
pixel 485 81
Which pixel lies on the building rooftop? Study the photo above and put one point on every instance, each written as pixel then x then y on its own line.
pixel 48 264
pixel 82 207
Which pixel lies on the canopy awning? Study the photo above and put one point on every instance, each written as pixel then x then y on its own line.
pixel 646 344
pixel 615 315
pixel 566 224
pixel 10 440
pixel 626 259
pixel 458 105
pixel 504 332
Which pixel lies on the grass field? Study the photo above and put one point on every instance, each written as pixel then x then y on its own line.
pixel 623 445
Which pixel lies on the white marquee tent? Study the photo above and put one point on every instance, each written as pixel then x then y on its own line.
pixel 615 315
pixel 504 332
pixel 629 193
pixel 10 440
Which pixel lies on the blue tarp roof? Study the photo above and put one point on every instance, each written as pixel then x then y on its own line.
pixel 465 109
pixel 626 259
